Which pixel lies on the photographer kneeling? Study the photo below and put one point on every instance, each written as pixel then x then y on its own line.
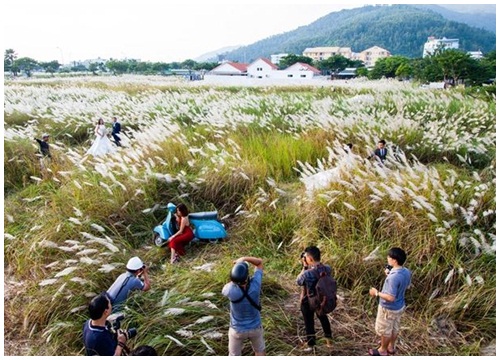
pixel 97 337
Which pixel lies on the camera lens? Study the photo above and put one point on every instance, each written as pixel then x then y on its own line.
pixel 132 332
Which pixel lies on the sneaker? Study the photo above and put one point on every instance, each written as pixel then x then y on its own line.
pixel 307 348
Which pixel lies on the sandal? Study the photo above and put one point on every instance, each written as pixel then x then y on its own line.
pixel 375 352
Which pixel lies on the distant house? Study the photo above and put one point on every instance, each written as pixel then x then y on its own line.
pixel 370 56
pixel 261 68
pixel 296 71
pixel 434 44
pixel 347 73
pixel 475 54
pixel 322 53
pixel 230 69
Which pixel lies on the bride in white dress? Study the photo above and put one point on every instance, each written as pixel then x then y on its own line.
pixel 322 179
pixel 101 145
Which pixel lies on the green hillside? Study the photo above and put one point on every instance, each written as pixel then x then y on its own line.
pixel 401 29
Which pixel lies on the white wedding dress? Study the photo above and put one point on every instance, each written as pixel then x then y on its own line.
pixel 101 145
pixel 323 179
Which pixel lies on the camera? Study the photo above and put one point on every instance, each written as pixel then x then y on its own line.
pixel 303 255
pixel 388 267
pixel 114 326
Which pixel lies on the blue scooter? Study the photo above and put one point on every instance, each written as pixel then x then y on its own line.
pixel 206 226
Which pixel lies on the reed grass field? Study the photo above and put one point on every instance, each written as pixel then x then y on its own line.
pixel 245 151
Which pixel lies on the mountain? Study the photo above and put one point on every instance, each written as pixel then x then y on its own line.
pixel 401 29
pixel 212 56
pixel 480 16
pixel 472 9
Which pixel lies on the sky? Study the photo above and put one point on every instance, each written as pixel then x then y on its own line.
pixel 149 30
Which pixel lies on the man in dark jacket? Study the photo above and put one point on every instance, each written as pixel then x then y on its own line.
pixel 44 145
pixel 116 130
pixel 380 152
pixel 97 338
pixel 311 264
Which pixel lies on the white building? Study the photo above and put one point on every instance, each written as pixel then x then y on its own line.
pixel 261 68
pixel 434 44
pixel 322 53
pixel 276 58
pixel 230 69
pixel 370 56
pixel 296 71
pixel 476 54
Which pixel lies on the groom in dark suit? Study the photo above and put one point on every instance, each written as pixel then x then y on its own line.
pixel 380 152
pixel 116 130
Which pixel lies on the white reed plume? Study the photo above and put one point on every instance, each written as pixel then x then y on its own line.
pixel 77 184
pixel 89 261
pixel 184 333
pixel 58 292
pixel 165 298
pixel 52 264
pixel 212 334
pixel 204 319
pixel 97 227
pixel 373 255
pixel 79 280
pixel 449 276
pixel 209 349
pixel 106 268
pixel 48 282
pixel 349 206
pixel 174 311
pixel 208 267
pixel 75 221
pixel 65 272
pixel 174 340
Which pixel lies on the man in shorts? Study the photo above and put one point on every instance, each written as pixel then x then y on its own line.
pixel 392 302
pixel 244 294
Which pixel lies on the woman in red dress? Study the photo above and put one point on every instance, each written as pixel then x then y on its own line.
pixel 181 238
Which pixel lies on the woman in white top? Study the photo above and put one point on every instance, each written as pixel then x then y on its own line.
pixel 101 145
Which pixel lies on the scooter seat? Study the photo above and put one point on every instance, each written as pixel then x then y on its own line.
pixel 205 215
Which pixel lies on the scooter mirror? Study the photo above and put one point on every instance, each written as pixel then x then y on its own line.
pixel 171 207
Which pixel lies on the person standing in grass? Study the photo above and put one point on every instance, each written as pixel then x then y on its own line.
pixel 44 151
pixel 244 294
pixel 129 281
pixel 116 130
pixel 44 145
pixel 308 278
pixel 391 302
pixel 183 236
pixel 380 152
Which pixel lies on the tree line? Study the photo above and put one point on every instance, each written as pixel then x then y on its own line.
pixel 452 66
pixel 27 65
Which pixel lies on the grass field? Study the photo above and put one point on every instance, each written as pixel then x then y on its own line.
pixel 69 229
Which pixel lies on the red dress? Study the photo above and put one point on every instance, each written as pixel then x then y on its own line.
pixel 180 241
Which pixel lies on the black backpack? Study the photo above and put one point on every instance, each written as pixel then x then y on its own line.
pixel 245 295
pixel 324 299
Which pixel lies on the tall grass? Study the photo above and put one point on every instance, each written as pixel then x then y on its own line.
pixel 70 228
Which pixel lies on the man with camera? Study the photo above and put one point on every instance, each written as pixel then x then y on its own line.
pixel 129 281
pixel 97 333
pixel 308 278
pixel 244 293
pixel 391 302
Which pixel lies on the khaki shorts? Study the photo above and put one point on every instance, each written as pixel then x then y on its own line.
pixel 236 339
pixel 388 321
